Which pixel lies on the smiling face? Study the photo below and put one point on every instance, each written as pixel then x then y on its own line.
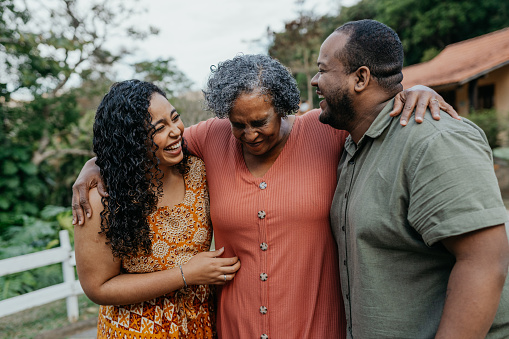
pixel 333 84
pixel 169 130
pixel 256 125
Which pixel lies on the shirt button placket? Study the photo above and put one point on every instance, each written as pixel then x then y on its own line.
pixel 263 246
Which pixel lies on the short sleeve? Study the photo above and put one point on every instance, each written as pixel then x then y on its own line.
pixel 452 186
pixel 196 137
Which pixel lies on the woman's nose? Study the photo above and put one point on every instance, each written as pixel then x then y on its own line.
pixel 250 134
pixel 174 130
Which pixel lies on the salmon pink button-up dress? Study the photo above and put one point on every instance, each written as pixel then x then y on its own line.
pixel 278 225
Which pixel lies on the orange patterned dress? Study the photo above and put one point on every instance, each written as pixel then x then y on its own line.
pixel 179 233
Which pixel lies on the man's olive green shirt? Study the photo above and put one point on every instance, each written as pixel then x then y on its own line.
pixel 401 191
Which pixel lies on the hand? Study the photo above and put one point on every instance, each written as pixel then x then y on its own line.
pixel 207 268
pixel 419 98
pixel 88 178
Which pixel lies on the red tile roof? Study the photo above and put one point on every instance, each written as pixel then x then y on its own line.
pixel 461 62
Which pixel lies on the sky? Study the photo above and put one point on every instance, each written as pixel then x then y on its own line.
pixel 201 33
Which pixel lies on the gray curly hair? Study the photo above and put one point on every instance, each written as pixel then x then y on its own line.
pixel 246 74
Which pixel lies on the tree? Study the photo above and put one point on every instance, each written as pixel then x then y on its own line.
pixel 297 46
pixel 57 58
pixel 426 27
pixel 164 74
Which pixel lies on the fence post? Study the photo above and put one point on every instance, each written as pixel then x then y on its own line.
pixel 69 277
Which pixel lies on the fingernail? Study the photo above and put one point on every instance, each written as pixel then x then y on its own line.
pixel 88 215
pixel 403 122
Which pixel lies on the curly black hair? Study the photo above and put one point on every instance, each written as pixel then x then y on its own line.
pixel 375 45
pixel 246 74
pixel 125 149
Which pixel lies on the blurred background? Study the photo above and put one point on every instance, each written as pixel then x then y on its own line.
pixel 59 57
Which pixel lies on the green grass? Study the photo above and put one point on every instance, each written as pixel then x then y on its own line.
pixel 33 322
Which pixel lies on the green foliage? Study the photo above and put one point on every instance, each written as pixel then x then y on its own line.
pixel 297 47
pixel 426 27
pixel 164 74
pixel 21 187
pixel 58 66
pixel 487 120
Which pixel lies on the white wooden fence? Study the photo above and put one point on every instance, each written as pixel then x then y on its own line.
pixel 69 289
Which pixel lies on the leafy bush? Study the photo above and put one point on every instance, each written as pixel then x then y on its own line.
pixel 20 184
pixel 488 122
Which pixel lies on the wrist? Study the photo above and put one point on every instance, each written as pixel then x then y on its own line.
pixel 183 277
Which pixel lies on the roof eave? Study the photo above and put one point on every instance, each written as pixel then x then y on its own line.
pixel 483 73
pixel 468 79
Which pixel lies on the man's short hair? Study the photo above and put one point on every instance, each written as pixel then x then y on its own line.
pixel 376 46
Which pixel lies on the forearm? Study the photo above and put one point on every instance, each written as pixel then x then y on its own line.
pixel 132 288
pixel 473 295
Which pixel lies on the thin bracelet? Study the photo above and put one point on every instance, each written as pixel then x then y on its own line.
pixel 185 284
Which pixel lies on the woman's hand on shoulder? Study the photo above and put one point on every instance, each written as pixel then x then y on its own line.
pixel 207 268
pixel 419 98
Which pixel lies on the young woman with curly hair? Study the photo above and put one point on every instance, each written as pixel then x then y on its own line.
pixel 146 257
pixel 272 177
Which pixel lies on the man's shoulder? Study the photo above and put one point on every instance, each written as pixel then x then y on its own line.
pixel 446 125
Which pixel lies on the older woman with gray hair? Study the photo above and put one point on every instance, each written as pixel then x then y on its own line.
pixel 271 176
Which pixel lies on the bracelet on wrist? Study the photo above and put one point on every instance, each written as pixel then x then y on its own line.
pixel 183 278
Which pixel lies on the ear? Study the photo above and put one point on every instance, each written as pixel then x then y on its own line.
pixel 362 78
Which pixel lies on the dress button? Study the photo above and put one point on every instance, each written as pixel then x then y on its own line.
pixel 344 262
pixel 264 336
pixel 263 185
pixel 261 214
pixel 343 228
pixel 351 162
pixel 263 277
pixel 264 246
pixel 263 309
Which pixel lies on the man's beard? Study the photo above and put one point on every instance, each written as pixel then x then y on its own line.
pixel 339 112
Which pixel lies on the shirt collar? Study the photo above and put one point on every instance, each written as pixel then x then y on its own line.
pixel 376 129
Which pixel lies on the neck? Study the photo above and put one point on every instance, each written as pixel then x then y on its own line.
pixel 363 121
pixel 368 106
pixel 170 173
